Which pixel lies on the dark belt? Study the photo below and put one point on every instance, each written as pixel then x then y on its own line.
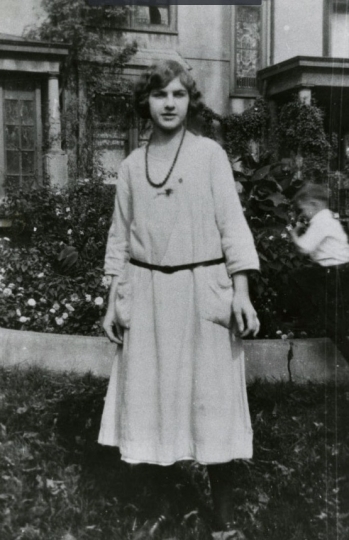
pixel 172 269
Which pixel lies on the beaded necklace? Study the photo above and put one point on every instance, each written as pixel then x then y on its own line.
pixel 161 184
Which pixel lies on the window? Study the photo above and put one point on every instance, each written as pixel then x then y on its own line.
pixel 336 28
pixel 160 17
pixel 250 46
pixel 340 29
pixel 20 150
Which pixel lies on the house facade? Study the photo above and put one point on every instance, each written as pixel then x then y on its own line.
pixel 236 53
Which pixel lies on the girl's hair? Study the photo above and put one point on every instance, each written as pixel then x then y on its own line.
pixel 312 192
pixel 160 75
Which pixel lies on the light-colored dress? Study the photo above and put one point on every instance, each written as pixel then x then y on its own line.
pixel 177 388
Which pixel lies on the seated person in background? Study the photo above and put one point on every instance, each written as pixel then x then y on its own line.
pixel 325 285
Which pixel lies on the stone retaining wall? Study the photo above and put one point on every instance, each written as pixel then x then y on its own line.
pixel 316 360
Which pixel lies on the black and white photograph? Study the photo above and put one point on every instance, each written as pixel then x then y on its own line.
pixel 174 270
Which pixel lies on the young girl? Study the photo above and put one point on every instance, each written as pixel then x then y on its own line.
pixel 179 250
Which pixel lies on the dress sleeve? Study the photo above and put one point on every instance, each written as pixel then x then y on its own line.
pixel 118 244
pixel 237 240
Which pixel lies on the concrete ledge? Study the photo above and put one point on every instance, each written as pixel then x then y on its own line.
pixel 315 360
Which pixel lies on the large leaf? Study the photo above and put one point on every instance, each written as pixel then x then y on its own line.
pixel 261 174
pixel 277 198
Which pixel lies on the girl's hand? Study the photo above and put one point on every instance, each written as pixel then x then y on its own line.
pixel 113 330
pixel 245 316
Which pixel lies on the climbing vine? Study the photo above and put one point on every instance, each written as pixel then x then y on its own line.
pixel 92 70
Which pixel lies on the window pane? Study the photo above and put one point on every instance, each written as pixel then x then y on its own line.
pixel 145 15
pixel 12 160
pixel 27 112
pixel 246 61
pixel 248 36
pixel 12 137
pixel 28 162
pixel 11 111
pixel 28 138
pixel 12 182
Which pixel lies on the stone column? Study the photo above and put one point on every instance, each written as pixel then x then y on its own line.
pixel 54 119
pixel 304 95
pixel 56 161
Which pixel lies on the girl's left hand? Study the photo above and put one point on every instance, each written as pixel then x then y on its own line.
pixel 245 316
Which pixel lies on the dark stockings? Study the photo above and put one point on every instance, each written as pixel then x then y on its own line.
pixel 221 481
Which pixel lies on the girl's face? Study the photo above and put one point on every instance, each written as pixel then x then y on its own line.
pixel 168 106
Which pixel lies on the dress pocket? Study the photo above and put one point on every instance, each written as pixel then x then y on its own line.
pixel 218 297
pixel 124 299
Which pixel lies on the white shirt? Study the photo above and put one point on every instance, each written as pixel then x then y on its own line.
pixel 325 240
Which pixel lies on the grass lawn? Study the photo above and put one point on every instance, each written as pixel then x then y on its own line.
pixel 58 483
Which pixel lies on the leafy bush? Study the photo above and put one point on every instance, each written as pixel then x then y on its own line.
pixel 52 265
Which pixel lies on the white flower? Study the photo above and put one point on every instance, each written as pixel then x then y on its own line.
pixel 67 209
pixel 11 286
pixel 284 235
pixel 31 302
pixel 271 237
pixel 69 307
pixel 65 315
pixel 284 336
pixel 7 292
pixel 69 231
pixel 35 229
pixel 7 239
pixel 86 180
pixel 106 281
pixel 23 319
pixel 56 306
pixel 52 310
pixel 99 301
pixel 288 227
pixel 74 297
pixel 41 275
pixel 18 312
pixel 59 321
pixel 278 332
pixel 88 297
pixel 43 300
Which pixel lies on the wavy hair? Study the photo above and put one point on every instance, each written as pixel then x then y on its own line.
pixel 159 75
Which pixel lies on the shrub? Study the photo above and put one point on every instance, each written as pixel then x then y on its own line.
pixel 52 265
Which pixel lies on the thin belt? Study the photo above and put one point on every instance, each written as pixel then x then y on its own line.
pixel 178 268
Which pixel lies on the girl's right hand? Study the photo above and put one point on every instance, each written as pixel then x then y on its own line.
pixel 113 330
